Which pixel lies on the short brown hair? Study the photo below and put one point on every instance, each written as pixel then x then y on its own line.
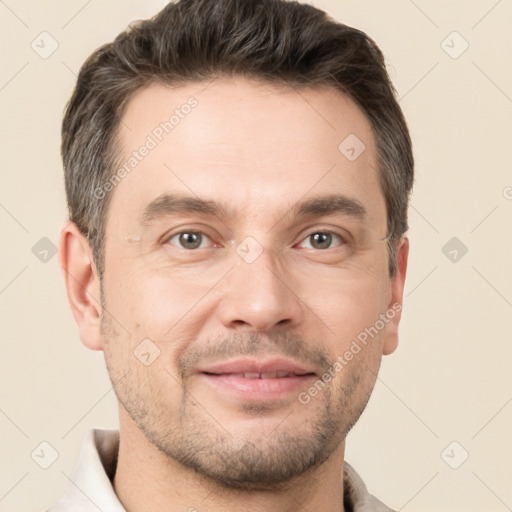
pixel 278 41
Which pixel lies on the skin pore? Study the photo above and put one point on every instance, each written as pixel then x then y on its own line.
pixel 243 242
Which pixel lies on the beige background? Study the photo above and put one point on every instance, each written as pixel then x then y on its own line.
pixel 450 379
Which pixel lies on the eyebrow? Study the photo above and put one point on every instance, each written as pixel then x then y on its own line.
pixel 175 204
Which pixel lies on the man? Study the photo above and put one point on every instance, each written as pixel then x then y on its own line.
pixel 237 174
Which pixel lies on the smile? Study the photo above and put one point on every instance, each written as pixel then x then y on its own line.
pixel 253 379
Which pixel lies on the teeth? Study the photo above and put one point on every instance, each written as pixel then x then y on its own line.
pixel 269 375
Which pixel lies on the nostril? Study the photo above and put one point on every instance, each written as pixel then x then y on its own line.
pixel 239 322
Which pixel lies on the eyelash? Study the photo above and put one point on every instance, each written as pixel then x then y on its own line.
pixel 342 238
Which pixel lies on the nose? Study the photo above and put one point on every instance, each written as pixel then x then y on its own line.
pixel 260 296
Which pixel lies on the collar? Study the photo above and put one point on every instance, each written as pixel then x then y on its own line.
pixel 90 487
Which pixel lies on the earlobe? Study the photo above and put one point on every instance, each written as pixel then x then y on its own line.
pixel 394 311
pixel 82 284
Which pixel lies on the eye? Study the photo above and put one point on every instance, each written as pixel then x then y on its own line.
pixel 189 240
pixel 323 239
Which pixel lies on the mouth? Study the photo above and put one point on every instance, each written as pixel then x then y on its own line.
pixel 252 379
pixel 266 375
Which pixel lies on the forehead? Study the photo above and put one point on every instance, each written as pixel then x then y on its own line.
pixel 255 146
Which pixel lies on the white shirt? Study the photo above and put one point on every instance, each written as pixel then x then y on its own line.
pixel 90 488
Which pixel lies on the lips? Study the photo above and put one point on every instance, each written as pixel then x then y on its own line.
pixel 252 379
pixel 258 369
pixel 267 375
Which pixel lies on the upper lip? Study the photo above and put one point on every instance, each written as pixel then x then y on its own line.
pixel 248 365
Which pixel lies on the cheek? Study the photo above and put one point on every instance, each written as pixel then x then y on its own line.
pixel 347 306
pixel 161 304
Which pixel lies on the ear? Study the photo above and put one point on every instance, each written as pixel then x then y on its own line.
pixel 82 284
pixel 394 311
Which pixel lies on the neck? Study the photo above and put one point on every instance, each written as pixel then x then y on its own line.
pixel 147 479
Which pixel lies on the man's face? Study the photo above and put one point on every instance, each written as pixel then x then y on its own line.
pixel 243 308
